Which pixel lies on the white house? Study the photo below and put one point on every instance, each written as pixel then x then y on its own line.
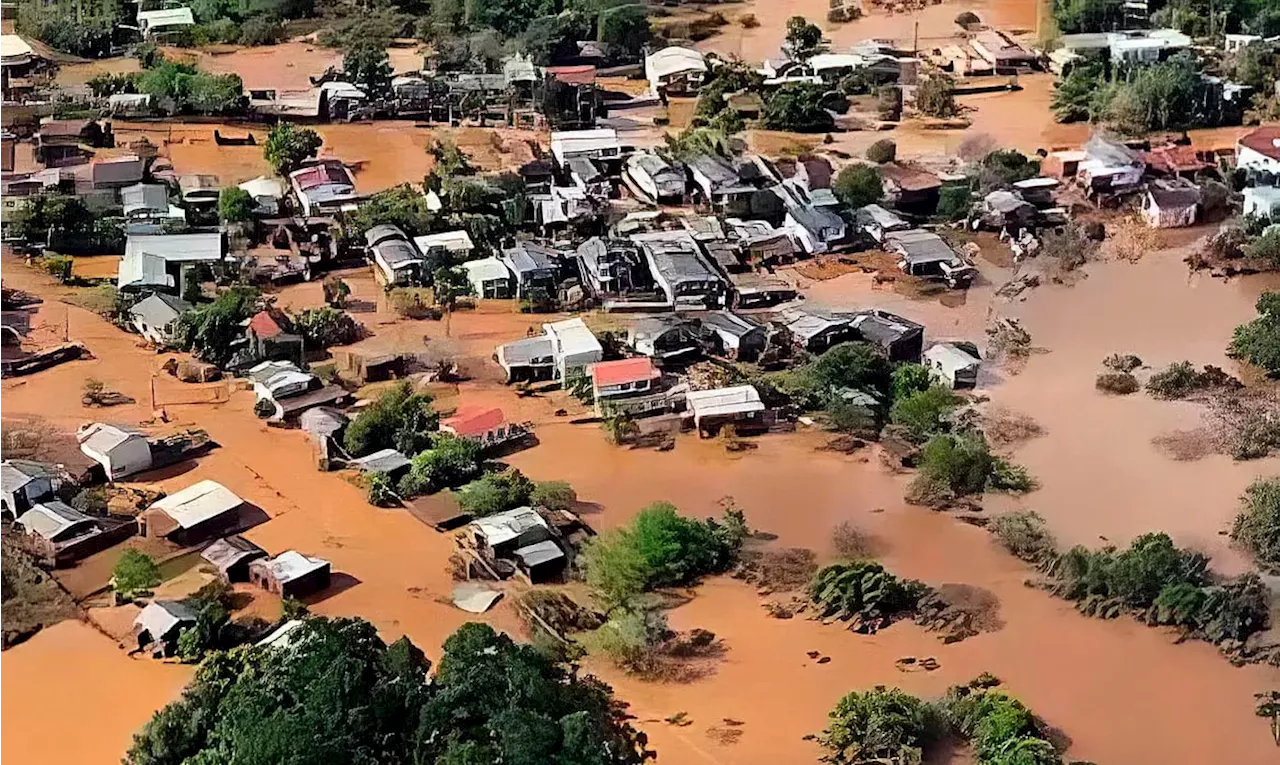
pixel 722 405
pixel 489 278
pixel 457 243
pixel 1171 203
pixel 953 364
pixel 1259 151
pixel 151 260
pixel 574 346
pixel 156 317
pixel 24 483
pixel 120 452
pixel 654 177
pixel 597 143
pixel 398 261
pixel 164 20
pixel 1262 200
pixel 675 70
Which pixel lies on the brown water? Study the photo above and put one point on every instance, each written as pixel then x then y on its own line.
pixel 1121 691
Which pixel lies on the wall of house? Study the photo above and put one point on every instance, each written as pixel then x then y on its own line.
pixel 1256 160
pixel 131 456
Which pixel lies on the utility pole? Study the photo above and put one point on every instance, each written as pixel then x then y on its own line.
pixel 915 39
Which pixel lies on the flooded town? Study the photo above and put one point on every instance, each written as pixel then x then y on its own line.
pixel 868 381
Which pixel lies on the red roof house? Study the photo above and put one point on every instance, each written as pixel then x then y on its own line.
pixel 476 423
pixel 264 326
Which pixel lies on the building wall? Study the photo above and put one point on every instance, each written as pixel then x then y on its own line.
pixel 1255 160
pixel 131 456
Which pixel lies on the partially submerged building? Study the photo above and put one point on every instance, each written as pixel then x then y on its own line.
pixel 398 261
pixel 926 255
pixel 564 348
pixel 201 511
pixel 157 626
pixel 156 316
pixel 1171 203
pixel 953 364
pixel 536 269
pixel 490 279
pixel 739 406
pixel 121 452
pixel 522 537
pixel 899 339
pixel 231 557
pixel 627 386
pixel 486 426
pixel 23 483
pixel 291 574
pixel 62 534
pixel 663 336
pixel 680 270
pixel 323 187
pixel 675 70
pixel 160 22
pixel 732 336
pixel 657 181
pixel 157 260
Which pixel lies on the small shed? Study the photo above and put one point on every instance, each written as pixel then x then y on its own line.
pixel 711 409
pixel 60 532
pixel 121 452
pixel 160 622
pixel 953 364
pixel 291 574
pixel 485 425
pixel 26 482
pixel 490 279
pixel 575 345
pixel 540 561
pixel 387 461
pixel 662 337
pixel 198 512
pixel 232 556
pixel 732 336
pixel 1171 203
pixel 899 339
pixel 156 317
pixel 503 533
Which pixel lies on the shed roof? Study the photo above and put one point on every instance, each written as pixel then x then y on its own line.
pixel 144 196
pixel 329 172
pixel 13 48
pixel 607 373
pixel 14 474
pixel 102 438
pixel 52 520
pixel 527 257
pixel 567 142
pixel 291 565
pixel 453 241
pixel 539 552
pixel 739 399
pixel 572 336
pixel 473 420
pixel 729 323
pixel 486 269
pixel 674 60
pixel 166 17
pixel 582 74
pixel 504 527
pixel 882 327
pixel 160 618
pixel 1265 140
pixel 264 325
pixel 158 309
pixel 198 503
pixel 950 356
pixel 919 246
pixel 525 350
pixel 322 420
pixel 1168 195
pixel 229 551
pixel 176 248
pixel 382 461
pixel 909 178
pixel 126 169
pixel 806 323
pixel 881 217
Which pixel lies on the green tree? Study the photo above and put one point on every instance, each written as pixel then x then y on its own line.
pixel 803 39
pixel 450 461
pixel 884 724
pixel 496 493
pixel 1265 250
pixel 858 186
pixel 321 328
pixel 863 589
pixel 553 495
pixel 910 378
pixel 954 202
pixel 288 146
pixel 935 97
pixel 1082 95
pixel 381 490
pixel 1075 16
pixel 210 330
pixel 625 26
pixel 802 108
pixel 924 413
pixel 843 367
pixel 400 418
pixel 367 66
pixel 1258 342
pixel 134 572
pixel 1257 526
pixel 449 284
pixel 235 205
pixel 1005 167
pixel 403 206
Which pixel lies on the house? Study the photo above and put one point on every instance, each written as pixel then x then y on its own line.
pixel 815 229
pixel 815 331
pixel 118 172
pixel 627 385
pixel 1003 209
pixel 290 574
pixel 267 192
pixel 597 143
pixel 1064 163
pixel 323 187
pixel 1171 203
pixel 761 244
pixel 1262 200
pixel 201 511
pixel 159 624
pixel 951 362
pixel 909 188
pixel 663 337
pixel 1037 191
pixel 1133 46
pixel 397 259
pixel 719 185
pixel 156 317
pixel 489 427
pixel 808 173
pixel 712 409
pixel 159 22
pixel 1259 151
pixel 533 358
pixel 1175 161
pixel 757 290
pixel 490 279
pixel 658 181
pixel 231 556
pixel 536 269
pixel 998 50
pixel 899 339
pixel 680 270
pixel 58 142
pixel 199 190
pixel 22 71
pixel 157 260
pixel 267 340
pixel 283 391
pixel 1110 167
pixel 926 255
pixel 26 482
pixel 149 200
pixel 574 345
pixel 389 461
pixel 456 245
pixel 733 337
pixel 675 70
pixel 877 222
pixel 613 267
pixel 521 535
pixel 61 533
pixel 120 452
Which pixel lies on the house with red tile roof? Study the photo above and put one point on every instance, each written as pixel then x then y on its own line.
pixel 485 425
pixel 1259 151
pixel 633 386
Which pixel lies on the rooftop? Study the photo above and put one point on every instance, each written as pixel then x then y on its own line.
pixel 453 241
pixel 674 60
pixel 102 438
pixel 14 474
pixel 198 503
pixel 508 526
pixel 382 461
pixel 231 550
pixel 607 373
pixel 53 520
pixel 909 178
pixel 191 247
pixel 740 399
pixel 572 336
pixel 473 420
pixel 1264 140
pixel 264 325
pixel 291 565
pixel 160 617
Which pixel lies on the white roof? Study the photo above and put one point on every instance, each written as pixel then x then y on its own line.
pixel 674 60
pixel 486 269
pixel 287 379
pixel 500 528
pixel 265 370
pixel 159 617
pixel 263 186
pixel 1037 183
pixel 167 17
pixel 568 142
pixel 280 637
pixel 740 399
pixel 50 519
pixel 176 248
pixel 291 564
pixel 824 61
pixel 102 438
pixel 12 46
pixel 198 503
pixel 950 356
pixel 571 336
pixel 454 241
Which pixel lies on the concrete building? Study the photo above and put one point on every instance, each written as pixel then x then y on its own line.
pixel 121 452
pixel 291 574
pixel 201 511
pixel 1259 150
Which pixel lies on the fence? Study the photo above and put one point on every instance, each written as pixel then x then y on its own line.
pixel 170 394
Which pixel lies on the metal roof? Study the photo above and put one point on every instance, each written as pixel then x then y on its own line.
pixel 673 60
pixel 485 269
pixel 950 357
pixel 570 142
pixel 527 351
pixel 740 399
pixel 161 617
pixel 919 246
pixel 572 336
pixel 539 552
pixel 52 520
pixel 291 565
pixel 176 248
pixel 158 309
pixel 382 461
pixel 198 503
pixel 231 550
pixel 144 196
pixel 729 323
pixel 522 523
pixel 453 241
pixel 473 421
pixel 14 474
pixel 605 373
pixel 102 438
pixel 166 17
pixel 527 257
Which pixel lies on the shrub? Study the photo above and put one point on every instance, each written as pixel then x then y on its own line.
pixel 851 366
pixel 1025 535
pixel 851 543
pixel 1265 250
pixel 92 501
pixel 210 330
pixel 495 493
pixel 924 413
pixel 802 108
pixel 398 419
pixel 1181 379
pixel 631 637
pixel 553 495
pixel 880 725
pixel 910 378
pixel 864 590
pixel 134 572
pixel 1257 526
pixel 1119 383
pixel 858 185
pixel 321 328
pixel 951 466
pixel 882 151
pixel 954 202
pixel 1258 342
pixel 451 461
pixel 967 19
pixel 380 491
pixel 58 266
pixel 235 205
pixel 336 292
pixel 1006 476
pixel 288 146
pixel 260 30
pixel 1122 362
pixel 935 97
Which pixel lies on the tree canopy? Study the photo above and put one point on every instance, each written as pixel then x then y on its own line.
pixel 400 418
pixel 339 695
pixel 802 107
pixel 1258 342
pixel 803 39
pixel 235 205
pixel 134 572
pixel 1257 527
pixel 288 146
pixel 208 331
pixel 858 185
pixel 368 66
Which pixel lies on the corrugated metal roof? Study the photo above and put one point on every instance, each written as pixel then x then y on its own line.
pixel 291 565
pixel 740 399
pixel 521 523
pixel 198 503
pixel 51 520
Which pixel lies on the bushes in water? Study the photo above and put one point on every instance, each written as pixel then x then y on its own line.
pixel 380 490
pixel 865 591
pixel 853 366
pixel 1258 342
pixel 660 548
pixel 880 725
pixel 450 461
pixel 1024 534
pixel 924 413
pixel 999 728
pixel 134 572
pixel 1181 379
pixel 1119 383
pixel 882 151
pixel 400 419
pixel 961 464
pixel 553 495
pixel 1257 526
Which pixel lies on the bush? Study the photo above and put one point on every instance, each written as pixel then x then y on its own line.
pixel 399 419
pixel 451 461
pixel 261 31
pixel 935 97
pixel 951 466
pixel 858 186
pixel 135 572
pixel 1258 342
pixel 924 413
pixel 882 151
pixel 844 14
pixel 881 725
pixel 495 493
pixel 1025 535
pixel 802 108
pixel 210 330
pixel 1006 476
pixel 1257 527
pixel 660 548
pixel 967 19
pixel 631 637
pixel 288 146
pixel 380 490
pixel 1122 362
pixel 553 495
pixel 847 366
pixel 954 202
pixel 1119 383
pixel 58 266
pixel 1181 379
pixel 235 205
pixel 866 591
pixel 999 728
pixel 851 543
pixel 321 328
pixel 336 292
pixel 1265 250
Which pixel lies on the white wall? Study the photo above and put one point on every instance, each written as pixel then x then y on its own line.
pixel 1254 160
